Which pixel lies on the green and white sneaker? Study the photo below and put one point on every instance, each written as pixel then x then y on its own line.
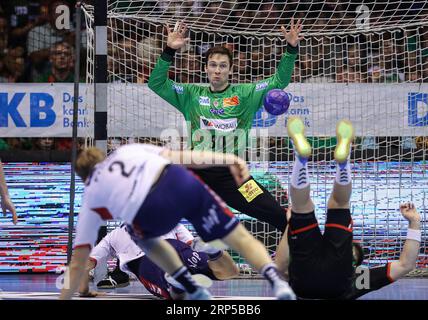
pixel 296 131
pixel 345 136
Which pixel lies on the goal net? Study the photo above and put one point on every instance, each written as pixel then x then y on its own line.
pixel 367 63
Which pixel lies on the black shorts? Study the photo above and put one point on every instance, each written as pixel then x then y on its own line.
pixel 263 206
pixel 321 264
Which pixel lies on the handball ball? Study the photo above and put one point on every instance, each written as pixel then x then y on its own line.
pixel 276 102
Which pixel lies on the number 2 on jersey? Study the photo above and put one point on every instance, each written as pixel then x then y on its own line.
pixel 121 165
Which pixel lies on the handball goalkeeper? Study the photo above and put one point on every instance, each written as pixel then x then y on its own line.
pixel 220 116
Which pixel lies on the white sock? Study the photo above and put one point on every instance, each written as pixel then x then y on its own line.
pixel 271 273
pixel 343 173
pixel 299 175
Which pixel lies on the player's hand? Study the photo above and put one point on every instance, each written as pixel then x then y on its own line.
pixel 408 210
pixel 91 294
pixel 240 171
pixel 292 36
pixel 177 37
pixel 7 205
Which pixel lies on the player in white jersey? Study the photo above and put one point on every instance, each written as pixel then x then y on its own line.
pixel 144 186
pixel 200 258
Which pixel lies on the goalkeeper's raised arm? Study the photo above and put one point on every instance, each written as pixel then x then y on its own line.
pixel 282 76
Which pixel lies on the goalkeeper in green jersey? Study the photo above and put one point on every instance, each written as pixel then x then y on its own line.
pixel 220 116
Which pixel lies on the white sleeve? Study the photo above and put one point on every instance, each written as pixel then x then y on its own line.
pixel 100 255
pixel 183 234
pixel 103 250
pixel 87 227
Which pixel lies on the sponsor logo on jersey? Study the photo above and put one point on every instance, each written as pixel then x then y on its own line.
pixel 217 111
pixel 210 220
pixel 219 124
pixel 261 85
pixel 204 101
pixel 250 190
pixel 194 259
pixel 230 102
pixel 178 89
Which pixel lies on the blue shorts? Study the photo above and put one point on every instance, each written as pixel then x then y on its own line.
pixel 180 194
pixel 152 277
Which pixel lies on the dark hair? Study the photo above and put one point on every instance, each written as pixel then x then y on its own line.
pixel 358 260
pixel 219 50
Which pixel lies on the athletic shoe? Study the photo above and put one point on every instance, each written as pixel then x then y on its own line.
pixel 114 280
pixel 296 132
pixel 283 291
pixel 345 135
pixel 199 294
pixel 107 283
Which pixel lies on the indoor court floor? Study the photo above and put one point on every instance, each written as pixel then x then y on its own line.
pixel 43 287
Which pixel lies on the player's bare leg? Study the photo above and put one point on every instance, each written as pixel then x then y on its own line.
pixel 299 186
pixel 342 189
pixel 256 254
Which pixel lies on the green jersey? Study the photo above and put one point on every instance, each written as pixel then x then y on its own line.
pixel 219 121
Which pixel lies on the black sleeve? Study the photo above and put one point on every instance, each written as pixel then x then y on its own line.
pixel 168 53
pixel 369 279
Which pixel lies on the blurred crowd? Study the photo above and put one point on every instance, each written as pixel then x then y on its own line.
pixel 388 57
pixel 33 48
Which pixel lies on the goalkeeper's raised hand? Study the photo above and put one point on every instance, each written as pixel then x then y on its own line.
pixel 7 205
pixel 292 36
pixel 177 37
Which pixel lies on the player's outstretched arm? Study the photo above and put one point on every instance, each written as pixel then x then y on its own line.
pixel 282 76
pixel 75 272
pixel 174 93
pixel 409 255
pixel 6 203
pixel 84 283
pixel 206 159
